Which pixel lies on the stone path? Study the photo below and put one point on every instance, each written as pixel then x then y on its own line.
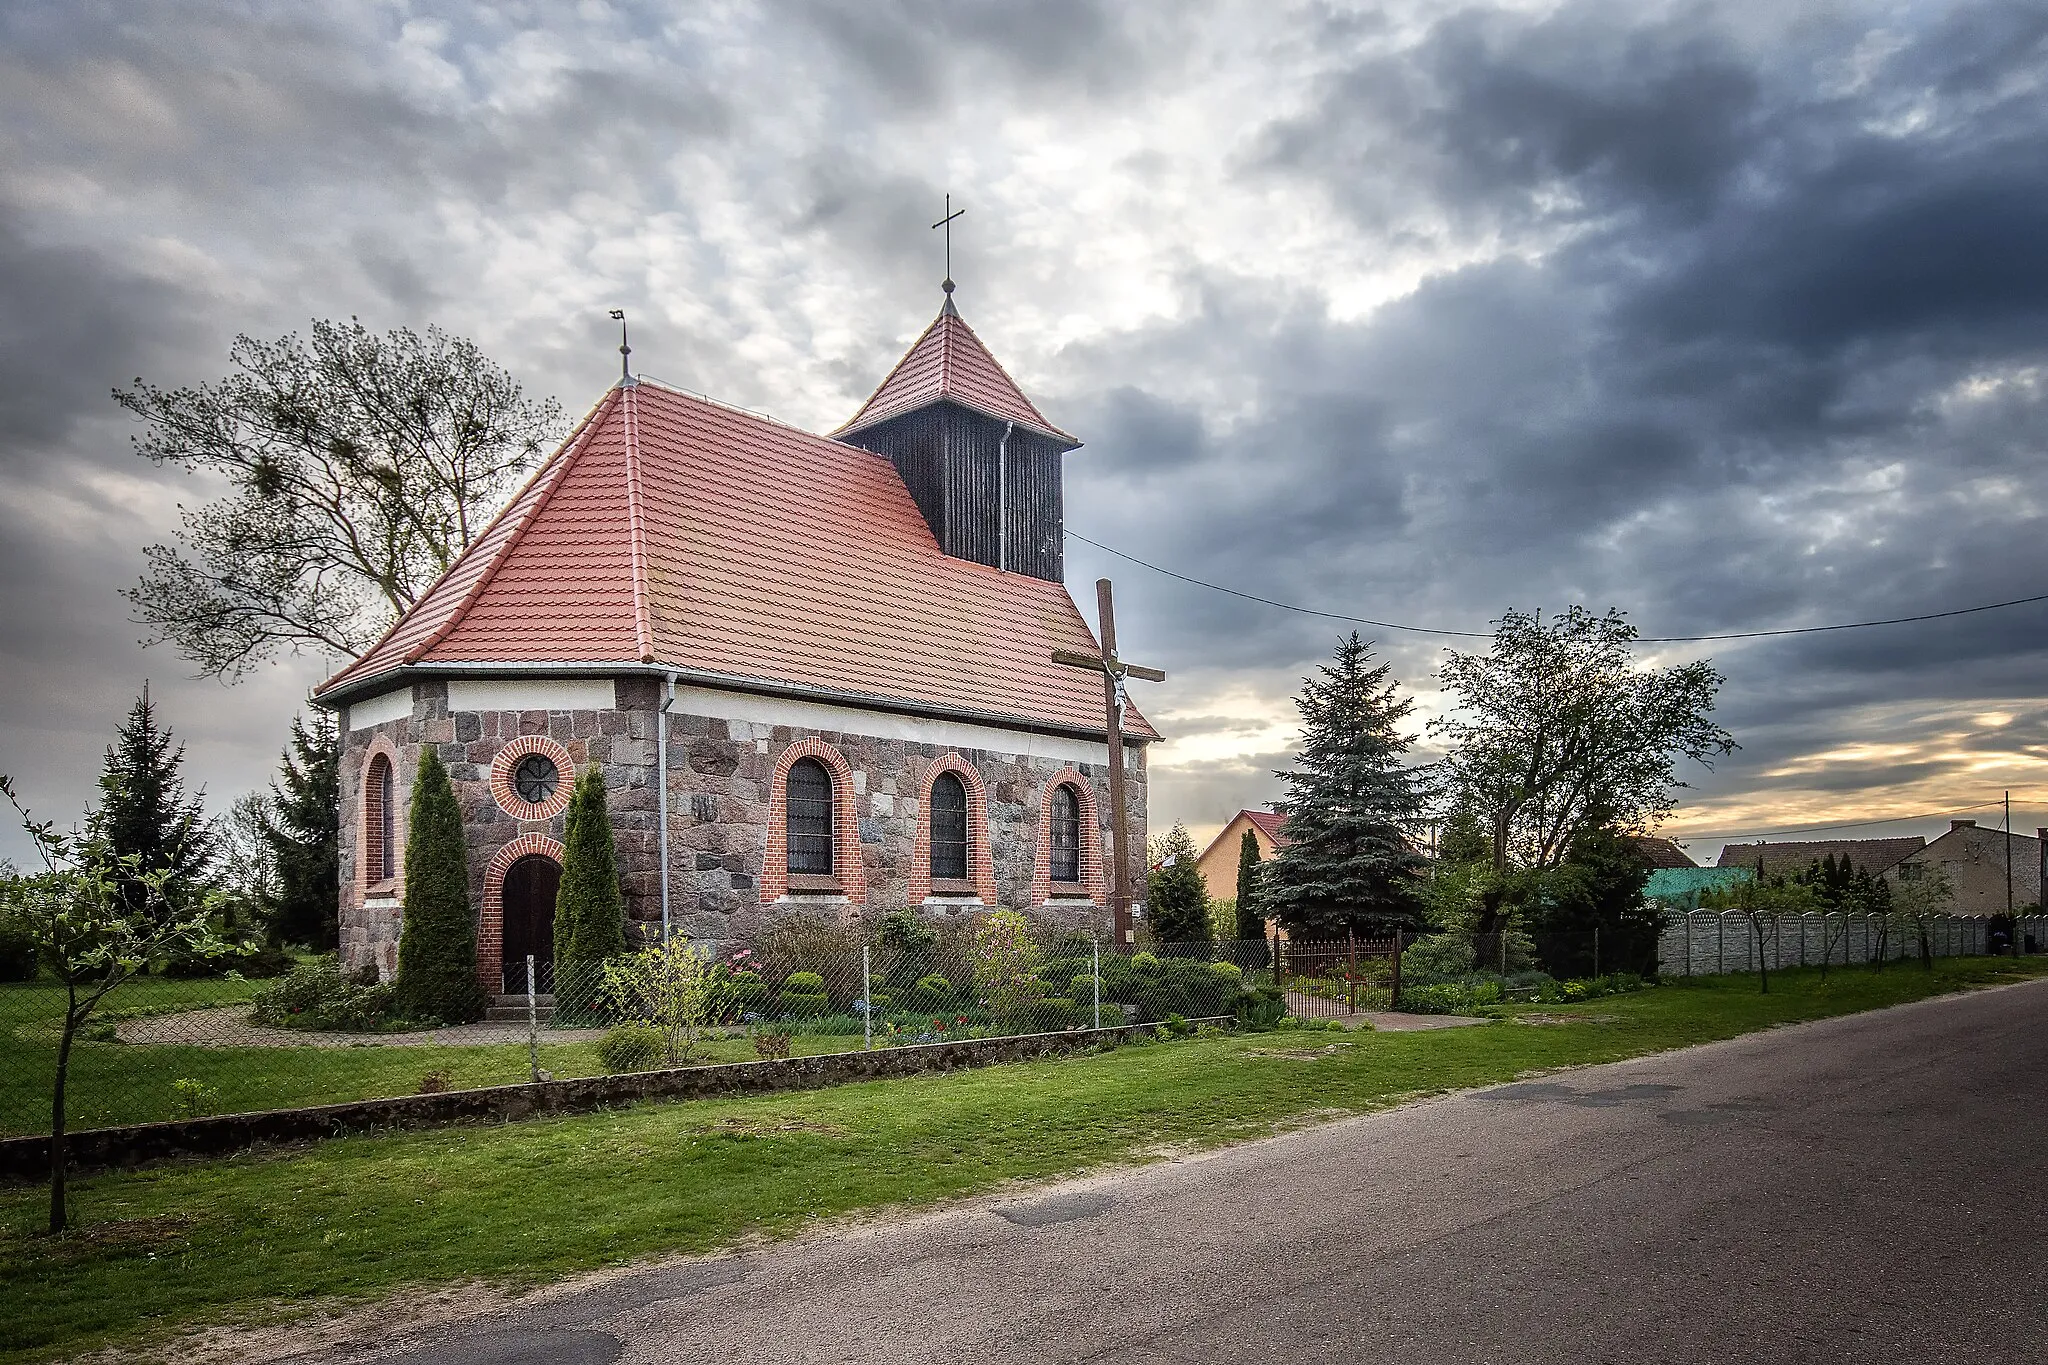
pixel 230 1027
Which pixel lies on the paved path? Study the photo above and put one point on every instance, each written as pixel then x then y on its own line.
pixel 1866 1189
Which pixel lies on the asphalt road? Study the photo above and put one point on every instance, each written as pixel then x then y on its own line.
pixel 1864 1189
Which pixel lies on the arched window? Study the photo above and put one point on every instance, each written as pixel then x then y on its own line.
pixel 1066 834
pixel 380 821
pixel 810 818
pixel 949 828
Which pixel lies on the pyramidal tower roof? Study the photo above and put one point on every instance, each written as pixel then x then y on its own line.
pixel 671 533
pixel 949 363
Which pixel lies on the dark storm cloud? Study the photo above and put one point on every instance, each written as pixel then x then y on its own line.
pixel 69 318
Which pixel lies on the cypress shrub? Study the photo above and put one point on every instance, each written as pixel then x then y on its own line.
pixel 590 907
pixel 437 947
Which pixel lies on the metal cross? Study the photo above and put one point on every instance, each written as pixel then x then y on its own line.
pixel 947 224
pixel 1114 699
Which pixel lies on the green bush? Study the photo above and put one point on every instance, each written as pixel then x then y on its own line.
pixel 437 945
pixel 1229 973
pixel 1144 962
pixel 804 983
pixel 931 994
pixel 1054 1014
pixel 803 1004
pixel 1442 998
pixel 590 904
pixel 1436 958
pixel 321 997
pixel 631 1047
pixel 17 950
pixel 1261 1007
pixel 749 991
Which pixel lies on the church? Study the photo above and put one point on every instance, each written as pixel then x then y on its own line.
pixel 816 672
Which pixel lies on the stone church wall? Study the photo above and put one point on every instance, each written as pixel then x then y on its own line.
pixel 722 807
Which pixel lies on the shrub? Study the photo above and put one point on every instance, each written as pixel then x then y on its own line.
pixel 1006 962
pixel 771 1044
pixel 320 996
pixel 804 983
pixel 631 1047
pixel 1486 993
pixel 590 906
pixel 1442 998
pixel 1055 1014
pixel 1144 962
pixel 748 990
pixel 17 950
pixel 437 946
pixel 192 1099
pixel 1261 1007
pixel 931 993
pixel 804 1004
pixel 434 1083
pixel 1227 972
pixel 1436 958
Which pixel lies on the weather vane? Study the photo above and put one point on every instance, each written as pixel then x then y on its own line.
pixel 625 351
pixel 947 224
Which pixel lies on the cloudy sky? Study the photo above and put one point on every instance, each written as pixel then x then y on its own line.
pixel 1731 315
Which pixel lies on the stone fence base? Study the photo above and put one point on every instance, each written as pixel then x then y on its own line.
pixel 28 1158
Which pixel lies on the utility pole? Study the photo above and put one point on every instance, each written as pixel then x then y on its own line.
pixel 1113 671
pixel 2012 924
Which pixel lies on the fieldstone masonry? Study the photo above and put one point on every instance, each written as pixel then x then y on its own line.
pixel 721 806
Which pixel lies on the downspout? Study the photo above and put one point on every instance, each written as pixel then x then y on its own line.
pixel 1003 497
pixel 661 796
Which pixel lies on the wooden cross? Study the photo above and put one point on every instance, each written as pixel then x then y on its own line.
pixel 947 224
pixel 1113 671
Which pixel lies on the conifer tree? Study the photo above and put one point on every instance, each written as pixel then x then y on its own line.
pixel 437 947
pixel 590 908
pixel 1348 865
pixel 1177 899
pixel 303 829
pixel 1251 921
pixel 144 824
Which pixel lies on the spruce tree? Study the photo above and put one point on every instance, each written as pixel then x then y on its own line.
pixel 1251 919
pixel 590 908
pixel 303 829
pixel 1177 899
pixel 437 947
pixel 144 824
pixel 1348 865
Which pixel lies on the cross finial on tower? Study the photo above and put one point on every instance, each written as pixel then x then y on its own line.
pixel 947 223
pixel 625 351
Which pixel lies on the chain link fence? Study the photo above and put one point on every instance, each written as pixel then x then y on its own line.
pixel 169 1048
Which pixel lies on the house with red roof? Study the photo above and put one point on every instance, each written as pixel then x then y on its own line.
pixel 815 670
pixel 1219 861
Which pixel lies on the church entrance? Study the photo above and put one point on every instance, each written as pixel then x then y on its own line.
pixel 529 921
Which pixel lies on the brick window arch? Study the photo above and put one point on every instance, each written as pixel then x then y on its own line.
pixel 848 878
pixel 980 879
pixel 521 770
pixel 808 819
pixel 1087 853
pixel 380 850
pixel 490 924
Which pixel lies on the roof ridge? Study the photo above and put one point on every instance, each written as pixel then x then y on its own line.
pixel 564 461
pixel 636 530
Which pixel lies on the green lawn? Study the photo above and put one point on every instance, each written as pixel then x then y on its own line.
pixel 114 1082
pixel 263 1237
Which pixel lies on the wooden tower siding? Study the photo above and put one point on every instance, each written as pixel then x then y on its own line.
pixel 947 456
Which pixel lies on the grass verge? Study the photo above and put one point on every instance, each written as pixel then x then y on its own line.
pixel 261 1238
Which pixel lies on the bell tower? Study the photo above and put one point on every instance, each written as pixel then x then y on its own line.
pixel 981 462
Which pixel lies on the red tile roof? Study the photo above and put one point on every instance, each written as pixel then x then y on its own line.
pixel 949 362
pixel 1269 823
pixel 1789 858
pixel 671 531
pixel 1660 852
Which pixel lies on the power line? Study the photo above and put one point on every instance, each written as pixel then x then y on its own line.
pixel 1816 829
pixel 1487 635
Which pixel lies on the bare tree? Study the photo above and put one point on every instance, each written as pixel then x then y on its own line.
pixel 1917 902
pixel 358 467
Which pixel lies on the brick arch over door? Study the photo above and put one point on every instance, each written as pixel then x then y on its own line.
pixel 370 821
pixel 490 927
pixel 981 869
pixel 1093 881
pixel 846 863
